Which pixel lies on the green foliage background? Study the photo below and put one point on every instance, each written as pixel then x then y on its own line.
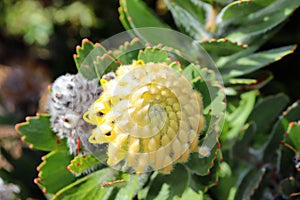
pixel 46 33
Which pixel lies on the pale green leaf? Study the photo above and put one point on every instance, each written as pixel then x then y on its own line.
pixel 89 187
pixel 253 62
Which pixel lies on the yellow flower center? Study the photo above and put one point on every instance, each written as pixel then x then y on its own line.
pixel 149 115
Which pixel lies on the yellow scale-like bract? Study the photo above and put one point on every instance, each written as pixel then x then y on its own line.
pixel 149 115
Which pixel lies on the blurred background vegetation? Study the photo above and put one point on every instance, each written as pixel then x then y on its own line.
pixel 37 41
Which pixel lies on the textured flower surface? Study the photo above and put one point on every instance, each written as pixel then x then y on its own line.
pixel 70 97
pixel 149 116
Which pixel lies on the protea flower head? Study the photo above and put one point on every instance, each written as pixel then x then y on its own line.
pixel 149 116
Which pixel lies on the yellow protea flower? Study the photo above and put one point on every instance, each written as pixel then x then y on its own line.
pixel 149 116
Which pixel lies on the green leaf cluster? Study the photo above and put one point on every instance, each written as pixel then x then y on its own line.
pixel 231 32
pixel 259 139
pixel 199 174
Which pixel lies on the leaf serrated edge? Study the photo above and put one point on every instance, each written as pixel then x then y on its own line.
pixel 38 181
pixel 287 53
pixel 132 42
pixel 152 49
pixel 81 48
pixel 263 171
pixel 217 174
pixel 123 12
pixel 108 55
pixel 212 164
pixel 83 42
pixel 279 121
pixel 291 107
pixel 219 157
pixel 216 155
pixel 258 183
pixel 224 40
pixel 69 167
pixel 288 130
pixel 27 123
pixel 126 45
pixel 27 119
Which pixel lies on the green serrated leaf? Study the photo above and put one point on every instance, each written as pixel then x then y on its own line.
pixel 123 17
pixel 171 183
pixel 267 110
pixel 205 82
pixel 222 47
pixel 192 72
pixel 154 55
pixel 82 163
pixel 253 62
pixel 263 21
pixel 292 113
pixel 249 183
pixel 129 51
pixel 190 17
pixel 53 173
pixel 82 52
pixel 223 61
pixel 203 183
pixel 202 166
pixel 88 187
pixel 294 134
pixel 280 127
pixel 38 133
pixel 289 150
pixel 85 56
pixel 133 10
pixel 105 64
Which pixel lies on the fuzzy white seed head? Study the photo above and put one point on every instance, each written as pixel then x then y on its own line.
pixel 71 96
